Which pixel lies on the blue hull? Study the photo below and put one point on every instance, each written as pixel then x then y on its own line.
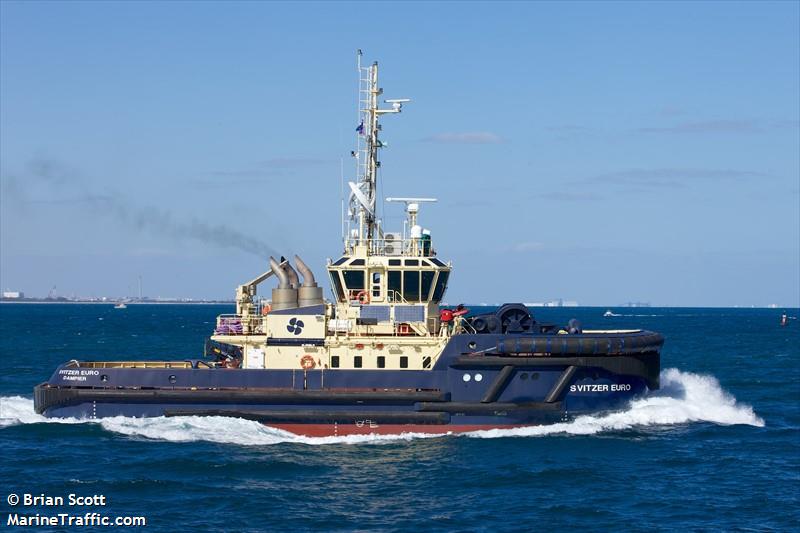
pixel 468 386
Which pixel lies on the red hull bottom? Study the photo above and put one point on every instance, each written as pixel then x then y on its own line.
pixel 341 430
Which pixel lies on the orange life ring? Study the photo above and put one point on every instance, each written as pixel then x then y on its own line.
pixel 266 308
pixel 307 362
pixel 363 297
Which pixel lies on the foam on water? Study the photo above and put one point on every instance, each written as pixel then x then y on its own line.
pixel 683 398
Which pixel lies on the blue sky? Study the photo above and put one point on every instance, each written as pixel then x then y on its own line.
pixel 599 152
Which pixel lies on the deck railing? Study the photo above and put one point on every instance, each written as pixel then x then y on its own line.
pixel 240 325
pixel 409 247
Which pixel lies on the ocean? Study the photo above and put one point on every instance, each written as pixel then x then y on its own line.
pixel 717 448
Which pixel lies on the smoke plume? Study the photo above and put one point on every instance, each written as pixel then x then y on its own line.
pixel 55 176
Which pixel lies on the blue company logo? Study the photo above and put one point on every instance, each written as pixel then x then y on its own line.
pixel 295 326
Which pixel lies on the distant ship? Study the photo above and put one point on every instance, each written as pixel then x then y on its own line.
pixel 121 305
pixel 383 356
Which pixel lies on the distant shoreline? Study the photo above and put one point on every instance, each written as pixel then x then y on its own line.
pixel 222 302
pixel 74 302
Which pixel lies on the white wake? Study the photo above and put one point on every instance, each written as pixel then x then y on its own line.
pixel 684 398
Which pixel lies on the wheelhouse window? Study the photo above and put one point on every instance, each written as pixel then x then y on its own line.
pixel 411 285
pixel 427 281
pixel 376 284
pixel 336 285
pixel 353 279
pixel 357 361
pixel 441 286
pixel 403 361
pixel 394 283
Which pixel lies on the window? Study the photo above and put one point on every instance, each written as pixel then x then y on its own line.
pixel 354 279
pixel 394 262
pixel 376 284
pixel 427 281
pixel 381 361
pixel 340 261
pixel 403 361
pixel 441 286
pixel 437 262
pixel 411 285
pixel 336 285
pixel 394 282
pixel 357 262
pixel 412 262
pixel 334 361
pixel 426 363
pixel 357 361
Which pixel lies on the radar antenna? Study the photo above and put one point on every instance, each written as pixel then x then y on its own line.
pixel 361 206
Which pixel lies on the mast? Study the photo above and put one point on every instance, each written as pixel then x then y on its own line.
pixel 362 208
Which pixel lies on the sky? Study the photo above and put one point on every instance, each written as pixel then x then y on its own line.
pixel 597 152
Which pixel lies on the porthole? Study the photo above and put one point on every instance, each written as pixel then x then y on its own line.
pixel 523 376
pixel 535 375
pixel 466 377
pixel 478 377
pixel 104 377
pixel 173 378
pixel 472 345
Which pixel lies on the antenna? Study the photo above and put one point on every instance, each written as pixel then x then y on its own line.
pixel 362 209
pixel 412 207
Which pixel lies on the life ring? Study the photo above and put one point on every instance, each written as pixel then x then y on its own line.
pixel 265 309
pixel 363 297
pixel 307 362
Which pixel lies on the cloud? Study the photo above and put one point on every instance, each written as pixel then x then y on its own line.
pixel 291 162
pixel 272 167
pixel 569 128
pixel 794 124
pixel 708 126
pixel 672 111
pixel 466 137
pixel 569 196
pixel 262 172
pixel 670 177
pixel 527 246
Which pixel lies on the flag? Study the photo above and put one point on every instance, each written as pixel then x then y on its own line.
pixel 360 128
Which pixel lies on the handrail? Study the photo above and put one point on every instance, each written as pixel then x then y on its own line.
pixel 408 247
pixel 394 295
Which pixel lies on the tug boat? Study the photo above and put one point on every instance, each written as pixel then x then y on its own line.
pixel 382 356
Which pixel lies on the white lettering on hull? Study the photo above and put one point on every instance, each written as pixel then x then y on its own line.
pixel 604 387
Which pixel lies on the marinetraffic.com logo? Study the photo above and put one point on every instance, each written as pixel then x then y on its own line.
pixel 295 326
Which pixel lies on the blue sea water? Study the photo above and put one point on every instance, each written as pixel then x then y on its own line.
pixel 717 448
